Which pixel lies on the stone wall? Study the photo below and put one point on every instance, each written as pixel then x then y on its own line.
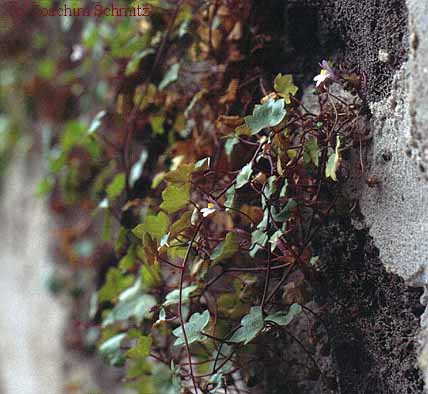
pixel 387 247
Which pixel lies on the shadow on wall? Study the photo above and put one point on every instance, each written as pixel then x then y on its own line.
pixel 367 36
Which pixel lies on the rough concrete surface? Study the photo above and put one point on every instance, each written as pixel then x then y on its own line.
pixel 397 210
pixel 387 42
pixel 31 322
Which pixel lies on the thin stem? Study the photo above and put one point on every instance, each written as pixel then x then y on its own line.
pixel 180 305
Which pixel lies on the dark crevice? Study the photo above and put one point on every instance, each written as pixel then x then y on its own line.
pixel 372 315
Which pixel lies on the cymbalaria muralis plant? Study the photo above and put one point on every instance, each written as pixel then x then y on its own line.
pixel 212 179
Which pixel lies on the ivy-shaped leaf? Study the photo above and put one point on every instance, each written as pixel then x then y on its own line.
pixel 226 248
pixel 173 297
pixel 111 352
pixel 269 114
pixel 284 319
pixel 155 225
pixel 133 303
pixel 142 349
pixel 193 328
pixel 333 162
pixel 181 174
pixel 284 86
pixel 244 175
pixel 258 241
pixel 251 325
pixel 175 197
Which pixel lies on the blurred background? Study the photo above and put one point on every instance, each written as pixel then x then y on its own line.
pixel 45 273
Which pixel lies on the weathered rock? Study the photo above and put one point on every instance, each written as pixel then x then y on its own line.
pixel 386 42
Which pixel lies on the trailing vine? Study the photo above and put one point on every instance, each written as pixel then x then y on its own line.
pixel 211 180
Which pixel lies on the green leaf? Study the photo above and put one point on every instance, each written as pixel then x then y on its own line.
pixel 284 214
pixel 180 175
pixel 283 319
pixel 259 239
pixel 283 191
pixel 115 283
pixel 193 328
pixel 144 96
pixel 133 64
pixel 133 303
pixel 226 248
pixel 229 145
pixel 244 175
pixel 203 164
pixel 170 76
pixel 229 201
pixel 45 186
pixel 175 197
pixel 333 162
pixel 115 188
pixel 157 179
pixel 181 224
pixel 155 225
pixel 111 352
pixel 311 151
pixel 270 186
pixel 269 114
pixel 73 134
pixel 46 68
pixel 292 153
pixel 128 261
pixel 151 276
pixel 285 87
pixel 173 297
pixel 106 231
pixel 142 349
pixel 251 325
pixel 157 121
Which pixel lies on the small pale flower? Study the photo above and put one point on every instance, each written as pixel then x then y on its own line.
pixel 208 211
pixel 320 78
pixel 77 53
pixel 326 73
